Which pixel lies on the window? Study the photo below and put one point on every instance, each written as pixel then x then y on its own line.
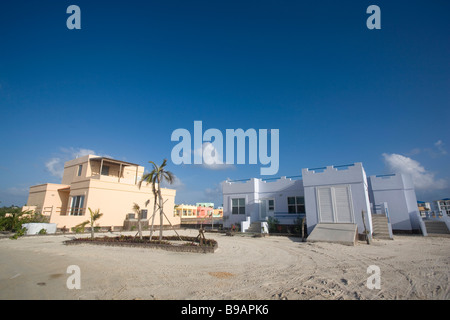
pixel 271 205
pixel 80 168
pixel 238 206
pixel 77 206
pixel 105 171
pixel 144 214
pixel 296 204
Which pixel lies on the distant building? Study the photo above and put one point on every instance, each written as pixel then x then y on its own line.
pixel 424 208
pixel 185 211
pixel 441 206
pixel 218 213
pixel 205 204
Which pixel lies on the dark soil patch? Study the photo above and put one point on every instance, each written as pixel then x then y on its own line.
pixel 171 243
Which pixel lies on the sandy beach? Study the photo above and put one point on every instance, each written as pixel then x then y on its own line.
pixel 273 267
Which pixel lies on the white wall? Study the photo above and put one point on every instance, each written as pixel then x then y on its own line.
pixel 230 190
pixel 255 189
pixel 352 176
pixel 399 193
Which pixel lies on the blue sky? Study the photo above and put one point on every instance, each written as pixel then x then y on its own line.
pixel 137 70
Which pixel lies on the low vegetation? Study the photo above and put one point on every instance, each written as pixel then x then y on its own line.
pixel 166 240
pixel 12 218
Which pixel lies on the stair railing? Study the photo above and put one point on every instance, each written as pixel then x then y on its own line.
pixel 422 225
pixel 386 212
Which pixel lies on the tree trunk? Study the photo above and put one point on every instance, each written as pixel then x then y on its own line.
pixel 155 197
pixel 161 211
pixel 139 224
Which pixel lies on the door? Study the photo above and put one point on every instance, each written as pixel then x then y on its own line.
pixel 334 204
pixel 343 205
pixel 325 205
pixel 266 208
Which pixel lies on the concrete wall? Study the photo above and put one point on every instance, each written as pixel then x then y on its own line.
pixel 247 190
pixel 353 176
pixel 398 192
pixel 46 197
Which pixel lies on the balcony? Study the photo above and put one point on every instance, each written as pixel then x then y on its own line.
pixel 110 170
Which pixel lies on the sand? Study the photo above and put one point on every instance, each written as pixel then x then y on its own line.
pixel 274 267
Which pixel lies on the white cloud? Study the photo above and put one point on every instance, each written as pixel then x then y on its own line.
pixel 177 184
pixel 423 179
pixel 55 165
pixel 211 157
pixel 440 146
pixel 435 151
pixel 214 194
pixel 17 191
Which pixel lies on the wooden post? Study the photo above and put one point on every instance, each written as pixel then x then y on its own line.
pixel 368 239
pixel 303 230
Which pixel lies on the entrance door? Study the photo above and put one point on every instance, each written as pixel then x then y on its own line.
pixel 266 208
pixel 334 204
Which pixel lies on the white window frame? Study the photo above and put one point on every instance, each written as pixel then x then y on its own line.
pixel 239 206
pixel 79 210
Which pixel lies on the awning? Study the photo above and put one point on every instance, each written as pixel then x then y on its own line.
pixel 124 163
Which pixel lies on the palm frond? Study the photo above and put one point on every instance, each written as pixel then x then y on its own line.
pixel 136 207
pixel 169 177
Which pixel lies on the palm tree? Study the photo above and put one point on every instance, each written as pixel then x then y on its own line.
pixel 95 215
pixel 151 178
pixel 137 210
pixel 158 175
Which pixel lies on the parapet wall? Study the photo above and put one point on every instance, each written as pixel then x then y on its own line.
pixel 351 173
pixel 391 182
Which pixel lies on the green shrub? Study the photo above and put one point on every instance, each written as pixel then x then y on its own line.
pixel 17 218
pixel 273 223
pixel 18 233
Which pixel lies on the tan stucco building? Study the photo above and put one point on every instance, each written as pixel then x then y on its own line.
pixel 95 182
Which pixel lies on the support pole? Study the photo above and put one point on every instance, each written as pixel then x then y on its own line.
pixel 101 168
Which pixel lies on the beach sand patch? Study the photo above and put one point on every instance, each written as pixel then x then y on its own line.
pixel 221 274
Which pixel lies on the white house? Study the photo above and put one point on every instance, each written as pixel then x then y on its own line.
pixel 337 194
pixel 259 199
pixel 332 194
pixel 397 190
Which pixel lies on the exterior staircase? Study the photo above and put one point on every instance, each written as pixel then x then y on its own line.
pixel 255 227
pixel 436 228
pixel 380 226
